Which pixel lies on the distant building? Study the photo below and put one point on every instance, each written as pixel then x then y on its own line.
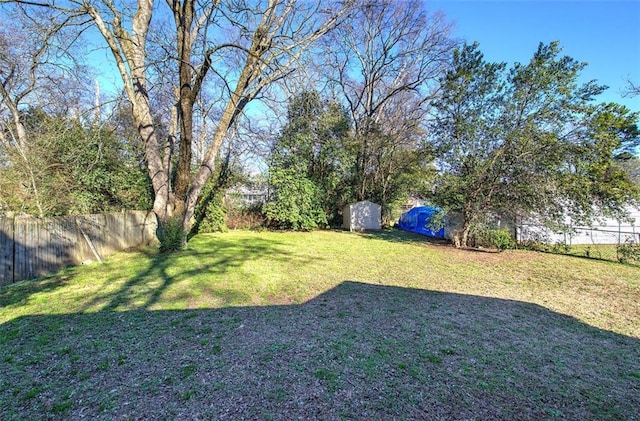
pixel 411 203
pixel 603 231
pixel 247 195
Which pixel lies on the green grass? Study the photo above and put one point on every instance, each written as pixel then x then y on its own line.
pixel 324 325
pixel 592 251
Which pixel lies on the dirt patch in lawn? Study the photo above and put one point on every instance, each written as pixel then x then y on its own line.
pixel 490 256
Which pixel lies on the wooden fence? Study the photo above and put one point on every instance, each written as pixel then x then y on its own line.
pixel 31 247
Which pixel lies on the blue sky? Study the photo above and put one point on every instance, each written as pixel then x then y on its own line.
pixel 605 34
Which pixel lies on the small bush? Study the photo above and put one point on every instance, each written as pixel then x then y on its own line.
pixel 560 248
pixel 492 237
pixel 501 239
pixel 245 217
pixel 296 205
pixel 628 252
pixel 171 234
pixel 214 216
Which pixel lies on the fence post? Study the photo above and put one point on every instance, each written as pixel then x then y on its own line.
pixel 619 229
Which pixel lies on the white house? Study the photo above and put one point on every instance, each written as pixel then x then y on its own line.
pixel 247 195
pixel 606 231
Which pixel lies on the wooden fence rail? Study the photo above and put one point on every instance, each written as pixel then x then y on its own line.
pixel 31 247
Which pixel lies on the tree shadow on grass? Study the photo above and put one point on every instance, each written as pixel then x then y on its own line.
pixel 162 270
pixel 141 287
pixel 19 261
pixel 358 351
pixel 18 294
pixel 399 236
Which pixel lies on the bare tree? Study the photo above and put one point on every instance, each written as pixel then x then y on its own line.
pixel 236 48
pixel 37 70
pixel 631 89
pixel 388 56
pixel 246 45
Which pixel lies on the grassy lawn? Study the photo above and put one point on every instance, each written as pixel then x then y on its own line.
pixel 324 325
pixel 592 251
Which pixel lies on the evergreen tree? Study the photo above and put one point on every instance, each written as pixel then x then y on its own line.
pixel 310 161
pixel 528 142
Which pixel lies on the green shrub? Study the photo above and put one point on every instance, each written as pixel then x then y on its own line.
pixel 214 219
pixel 484 236
pixel 560 248
pixel 628 252
pixel 501 239
pixel 171 234
pixel 297 203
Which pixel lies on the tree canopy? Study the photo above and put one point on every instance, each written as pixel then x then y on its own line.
pixel 528 142
pixel 374 111
pixel 75 169
pixel 310 163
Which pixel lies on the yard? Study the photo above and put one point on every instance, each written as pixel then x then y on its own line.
pixel 324 325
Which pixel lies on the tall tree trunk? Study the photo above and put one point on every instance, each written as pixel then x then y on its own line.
pixel 158 174
pixel 237 101
pixel 361 167
pixel 184 15
pixel 469 217
pixel 129 52
pixel 464 234
pixel 232 110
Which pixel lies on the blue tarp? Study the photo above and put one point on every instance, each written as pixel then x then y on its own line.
pixel 418 219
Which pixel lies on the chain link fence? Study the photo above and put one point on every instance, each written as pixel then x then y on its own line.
pixel 619 243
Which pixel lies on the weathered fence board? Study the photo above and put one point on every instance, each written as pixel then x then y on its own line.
pixel 31 247
pixel 6 250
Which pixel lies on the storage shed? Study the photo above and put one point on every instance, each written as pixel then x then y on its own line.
pixel 362 216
